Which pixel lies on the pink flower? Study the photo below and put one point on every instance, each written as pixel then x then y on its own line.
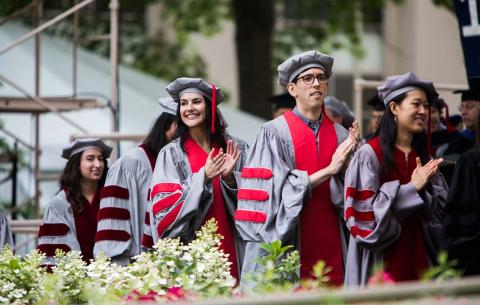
pixel 136 295
pixel 176 293
pixel 381 277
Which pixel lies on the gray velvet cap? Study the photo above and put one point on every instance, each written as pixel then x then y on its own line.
pixel 193 85
pixel 80 145
pixel 396 85
pixel 168 105
pixel 339 107
pixel 296 64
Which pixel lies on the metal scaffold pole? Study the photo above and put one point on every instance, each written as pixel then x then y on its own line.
pixel 114 5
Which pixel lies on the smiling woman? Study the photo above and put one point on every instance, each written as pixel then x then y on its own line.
pixel 70 220
pixel 394 193
pixel 194 179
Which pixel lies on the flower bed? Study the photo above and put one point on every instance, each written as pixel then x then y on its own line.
pixel 173 271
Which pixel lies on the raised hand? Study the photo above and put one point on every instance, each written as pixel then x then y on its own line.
pixel 354 133
pixel 214 165
pixel 422 174
pixel 231 158
pixel 341 154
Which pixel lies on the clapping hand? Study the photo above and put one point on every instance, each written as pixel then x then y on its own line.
pixel 422 174
pixel 214 165
pixel 341 154
pixel 231 158
pixel 354 133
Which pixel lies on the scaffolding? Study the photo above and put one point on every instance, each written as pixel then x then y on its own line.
pixel 36 104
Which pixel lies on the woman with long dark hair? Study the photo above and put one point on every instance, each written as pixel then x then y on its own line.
pixel 123 204
pixel 70 220
pixel 194 177
pixel 394 193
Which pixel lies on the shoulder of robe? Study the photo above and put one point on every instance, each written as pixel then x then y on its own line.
pixel 132 161
pixel 276 129
pixel 366 154
pixel 60 203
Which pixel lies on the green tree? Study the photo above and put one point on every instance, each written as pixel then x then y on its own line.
pixel 260 45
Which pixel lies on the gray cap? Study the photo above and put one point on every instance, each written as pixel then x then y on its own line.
pixel 193 85
pixel 80 145
pixel 396 85
pixel 339 107
pixel 168 105
pixel 296 64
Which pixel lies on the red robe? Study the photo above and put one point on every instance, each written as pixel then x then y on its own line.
pixel 86 226
pixel 197 158
pixel 406 258
pixel 320 237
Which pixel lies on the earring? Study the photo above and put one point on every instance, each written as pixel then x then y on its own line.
pixel 395 119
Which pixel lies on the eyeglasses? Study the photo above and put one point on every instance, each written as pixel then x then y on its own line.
pixel 310 78
pixel 467 106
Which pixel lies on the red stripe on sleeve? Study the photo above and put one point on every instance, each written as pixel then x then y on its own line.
pixel 251 216
pixel 257 173
pixel 53 229
pixel 147 241
pixel 49 249
pixel 117 235
pixel 113 213
pixel 359 195
pixel 357 231
pixel 358 215
pixel 165 188
pixel 147 218
pixel 165 202
pixel 254 195
pixel 114 191
pixel 168 219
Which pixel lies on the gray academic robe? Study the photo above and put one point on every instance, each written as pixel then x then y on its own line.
pixel 188 190
pixel 6 237
pixel 58 230
pixel 123 205
pixel 390 203
pixel 272 156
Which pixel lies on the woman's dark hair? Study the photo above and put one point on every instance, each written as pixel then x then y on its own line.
pixel 71 178
pixel 388 133
pixel 156 138
pixel 220 136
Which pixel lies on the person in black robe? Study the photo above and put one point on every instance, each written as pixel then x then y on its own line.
pixel 462 220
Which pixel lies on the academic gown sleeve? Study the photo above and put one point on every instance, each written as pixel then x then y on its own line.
pixel 374 212
pixel 6 237
pixel 58 229
pixel 179 200
pixel 271 191
pixel 122 208
pixel 230 192
pixel 337 182
pixel 462 219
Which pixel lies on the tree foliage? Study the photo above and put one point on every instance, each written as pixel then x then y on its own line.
pixel 267 32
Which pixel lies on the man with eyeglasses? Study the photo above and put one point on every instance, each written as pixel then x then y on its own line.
pixel 463 140
pixel 291 188
pixel 469 110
